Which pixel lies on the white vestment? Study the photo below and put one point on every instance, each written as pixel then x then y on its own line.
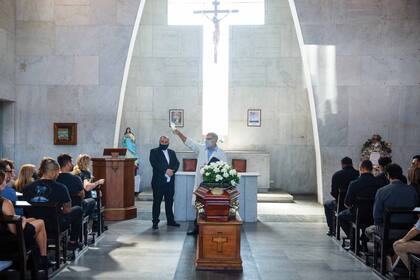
pixel 202 160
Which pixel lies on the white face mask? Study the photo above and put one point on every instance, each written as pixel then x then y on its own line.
pixel 209 144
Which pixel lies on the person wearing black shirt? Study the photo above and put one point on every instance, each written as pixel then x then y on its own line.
pixel 165 164
pixel 47 190
pixel 363 187
pixel 339 184
pixel 383 163
pixel 74 184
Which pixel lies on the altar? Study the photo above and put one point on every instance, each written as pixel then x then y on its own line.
pixel 184 185
pixel 257 161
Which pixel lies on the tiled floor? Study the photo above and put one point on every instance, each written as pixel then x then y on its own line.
pixel 288 243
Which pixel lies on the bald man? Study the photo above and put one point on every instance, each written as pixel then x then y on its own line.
pixel 165 164
pixel 206 153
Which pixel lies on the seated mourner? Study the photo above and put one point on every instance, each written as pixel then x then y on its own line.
pixel 33 229
pixel 395 195
pixel 339 183
pixel 365 186
pixel 406 244
pixel 82 170
pixel 383 163
pixel 47 190
pixel 74 184
pixel 7 191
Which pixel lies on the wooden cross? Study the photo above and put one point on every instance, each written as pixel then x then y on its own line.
pixel 219 239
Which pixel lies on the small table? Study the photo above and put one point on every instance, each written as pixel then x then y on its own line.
pixel 219 245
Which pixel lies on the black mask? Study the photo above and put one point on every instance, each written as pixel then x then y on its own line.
pixel 163 147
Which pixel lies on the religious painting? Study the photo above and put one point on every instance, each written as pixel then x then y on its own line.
pixel 254 117
pixel 176 117
pixel 65 133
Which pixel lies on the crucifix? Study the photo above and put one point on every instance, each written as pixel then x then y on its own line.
pixel 216 23
pixel 220 239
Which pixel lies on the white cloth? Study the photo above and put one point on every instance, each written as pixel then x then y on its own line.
pixel 165 152
pixel 137 181
pixel 202 160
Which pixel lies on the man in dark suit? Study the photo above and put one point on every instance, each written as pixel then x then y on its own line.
pixel 339 184
pixel 165 164
pixel 363 187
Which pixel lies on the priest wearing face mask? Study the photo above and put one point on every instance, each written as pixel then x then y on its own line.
pixel 165 164
pixel 207 153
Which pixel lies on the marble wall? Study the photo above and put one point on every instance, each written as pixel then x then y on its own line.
pixel 7 75
pixel 265 73
pixel 70 57
pixel 365 65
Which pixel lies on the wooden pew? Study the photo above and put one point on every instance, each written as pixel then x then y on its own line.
pixel 56 237
pixel 84 233
pixel 389 233
pixel 362 205
pixel 340 207
pixel 13 248
pixel 414 265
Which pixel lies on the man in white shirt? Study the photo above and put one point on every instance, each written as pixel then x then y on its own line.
pixel 165 164
pixel 206 153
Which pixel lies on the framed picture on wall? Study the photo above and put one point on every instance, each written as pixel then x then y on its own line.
pixel 176 116
pixel 254 117
pixel 65 133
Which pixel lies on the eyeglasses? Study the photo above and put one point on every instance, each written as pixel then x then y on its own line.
pixel 9 171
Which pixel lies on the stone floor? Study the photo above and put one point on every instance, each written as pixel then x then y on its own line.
pixel 288 243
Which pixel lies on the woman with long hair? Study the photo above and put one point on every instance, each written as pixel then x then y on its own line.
pixel 26 176
pixel 82 170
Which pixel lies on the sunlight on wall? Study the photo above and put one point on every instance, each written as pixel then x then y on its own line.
pixel 215 75
pixel 322 65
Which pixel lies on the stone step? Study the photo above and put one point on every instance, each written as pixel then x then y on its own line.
pixel 275 197
pixel 270 197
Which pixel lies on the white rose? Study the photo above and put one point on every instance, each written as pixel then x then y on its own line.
pixel 207 174
pixel 233 183
pixel 225 175
pixel 216 170
pixel 202 171
pixel 224 170
pixel 217 179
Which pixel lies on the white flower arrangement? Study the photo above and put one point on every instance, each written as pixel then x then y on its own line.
pixel 220 173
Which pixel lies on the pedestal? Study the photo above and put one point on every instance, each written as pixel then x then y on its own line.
pixel 219 245
pixel 118 190
pixel 184 187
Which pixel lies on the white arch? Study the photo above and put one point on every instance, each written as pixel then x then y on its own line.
pixel 311 98
pixel 126 71
pixel 306 71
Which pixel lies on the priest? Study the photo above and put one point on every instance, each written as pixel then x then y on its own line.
pixel 207 153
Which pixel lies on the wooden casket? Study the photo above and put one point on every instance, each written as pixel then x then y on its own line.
pixel 217 204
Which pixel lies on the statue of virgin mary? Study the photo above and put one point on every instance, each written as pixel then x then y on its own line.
pixel 129 142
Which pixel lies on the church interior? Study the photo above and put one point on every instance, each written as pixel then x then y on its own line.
pixel 201 139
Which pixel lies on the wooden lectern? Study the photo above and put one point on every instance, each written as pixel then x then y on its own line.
pixel 118 190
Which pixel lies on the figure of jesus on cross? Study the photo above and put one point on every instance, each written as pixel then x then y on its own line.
pixel 216 22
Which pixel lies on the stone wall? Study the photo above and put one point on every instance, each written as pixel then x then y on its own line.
pixel 70 56
pixel 265 73
pixel 7 75
pixel 365 66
